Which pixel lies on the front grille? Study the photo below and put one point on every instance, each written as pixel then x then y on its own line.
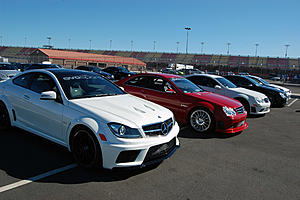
pixel 240 110
pixel 266 100
pixel 156 129
pixel 160 151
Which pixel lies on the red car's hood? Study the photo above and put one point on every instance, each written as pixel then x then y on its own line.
pixel 216 99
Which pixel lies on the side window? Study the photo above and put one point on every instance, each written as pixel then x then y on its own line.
pixel 211 83
pixel 140 81
pixel 244 82
pixel 23 81
pixel 42 83
pixel 196 80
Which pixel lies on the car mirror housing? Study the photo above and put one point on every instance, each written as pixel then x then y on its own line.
pixel 48 95
pixel 170 91
pixel 218 87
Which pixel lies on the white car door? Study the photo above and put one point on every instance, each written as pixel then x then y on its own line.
pixel 45 115
pixel 17 94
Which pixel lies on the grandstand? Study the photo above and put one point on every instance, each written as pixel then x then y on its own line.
pixel 204 61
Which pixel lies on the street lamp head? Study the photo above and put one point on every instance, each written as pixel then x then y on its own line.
pixel 188 28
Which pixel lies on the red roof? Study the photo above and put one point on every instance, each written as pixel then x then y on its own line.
pixel 71 55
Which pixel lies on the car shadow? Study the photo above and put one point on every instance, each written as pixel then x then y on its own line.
pixel 187 132
pixel 25 155
pixel 255 116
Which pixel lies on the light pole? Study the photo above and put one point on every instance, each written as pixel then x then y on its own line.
pixel 90 44
pixel 187 38
pixel 286 50
pixel 110 44
pixel 131 43
pixel 202 43
pixel 49 41
pixel 25 40
pixel 154 42
pixel 228 44
pixel 1 40
pixel 177 44
pixel 256 45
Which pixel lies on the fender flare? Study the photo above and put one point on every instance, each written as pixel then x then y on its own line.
pixel 87 122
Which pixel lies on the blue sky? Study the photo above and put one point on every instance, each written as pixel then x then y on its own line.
pixel 243 23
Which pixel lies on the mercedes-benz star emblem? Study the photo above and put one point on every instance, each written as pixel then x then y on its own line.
pixel 164 128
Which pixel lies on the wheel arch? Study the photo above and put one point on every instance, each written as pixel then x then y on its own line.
pixel 85 123
pixel 7 104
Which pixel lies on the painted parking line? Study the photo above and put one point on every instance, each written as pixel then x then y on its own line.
pixel 292 102
pixel 36 178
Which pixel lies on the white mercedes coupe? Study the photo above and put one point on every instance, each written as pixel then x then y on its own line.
pixel 96 120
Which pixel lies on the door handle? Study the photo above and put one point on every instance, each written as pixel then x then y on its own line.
pixel 26 97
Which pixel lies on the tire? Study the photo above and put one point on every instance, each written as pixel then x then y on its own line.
pixel 86 149
pixel 245 104
pixel 272 100
pixel 202 120
pixel 4 118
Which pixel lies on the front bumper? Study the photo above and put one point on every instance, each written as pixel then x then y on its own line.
pixel 234 124
pixel 141 152
pixel 259 109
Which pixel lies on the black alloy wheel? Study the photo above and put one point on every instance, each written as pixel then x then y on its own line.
pixel 86 149
pixel 4 118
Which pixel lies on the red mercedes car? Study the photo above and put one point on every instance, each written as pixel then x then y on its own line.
pixel 203 111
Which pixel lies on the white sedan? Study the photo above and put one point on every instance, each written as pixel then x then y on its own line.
pixel 254 102
pixel 96 120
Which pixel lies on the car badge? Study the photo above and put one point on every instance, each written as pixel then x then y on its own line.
pixel 164 128
pixel 159 117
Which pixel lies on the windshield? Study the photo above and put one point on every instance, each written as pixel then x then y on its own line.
pixel 255 82
pixel 226 83
pixel 78 85
pixel 7 67
pixel 260 81
pixel 185 85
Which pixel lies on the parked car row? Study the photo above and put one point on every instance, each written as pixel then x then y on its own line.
pixel 135 124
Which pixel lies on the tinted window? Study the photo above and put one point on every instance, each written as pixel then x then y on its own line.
pixel 42 83
pixel 140 81
pixel 23 81
pixel 185 85
pixel 226 83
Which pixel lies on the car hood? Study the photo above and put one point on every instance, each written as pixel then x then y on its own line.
pixel 280 87
pixel 268 87
pixel 248 92
pixel 9 73
pixel 125 109
pixel 216 99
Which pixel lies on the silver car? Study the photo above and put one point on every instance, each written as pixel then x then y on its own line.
pixel 7 71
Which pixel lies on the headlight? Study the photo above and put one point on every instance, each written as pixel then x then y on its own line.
pixel 229 111
pixel 123 131
pixel 259 100
pixel 282 95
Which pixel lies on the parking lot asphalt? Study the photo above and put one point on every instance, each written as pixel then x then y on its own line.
pixel 263 162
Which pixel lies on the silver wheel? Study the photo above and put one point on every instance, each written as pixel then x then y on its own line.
pixel 200 120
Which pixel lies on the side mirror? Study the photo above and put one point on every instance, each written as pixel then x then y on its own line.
pixel 122 88
pixel 170 91
pixel 48 95
pixel 218 87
